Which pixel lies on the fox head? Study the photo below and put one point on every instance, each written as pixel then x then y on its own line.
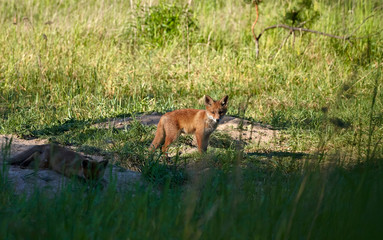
pixel 93 170
pixel 216 109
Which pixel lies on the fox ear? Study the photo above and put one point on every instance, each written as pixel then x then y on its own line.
pixel 208 100
pixel 224 100
pixel 85 163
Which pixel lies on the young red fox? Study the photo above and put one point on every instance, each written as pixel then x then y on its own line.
pixel 201 123
pixel 61 160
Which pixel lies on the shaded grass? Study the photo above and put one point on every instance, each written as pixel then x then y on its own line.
pixel 97 60
pixel 252 203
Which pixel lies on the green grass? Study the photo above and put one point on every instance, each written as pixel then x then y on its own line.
pixel 66 66
pixel 252 203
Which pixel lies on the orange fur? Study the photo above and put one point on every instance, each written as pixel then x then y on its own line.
pixel 201 123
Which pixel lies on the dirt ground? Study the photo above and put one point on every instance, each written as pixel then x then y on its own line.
pixel 24 179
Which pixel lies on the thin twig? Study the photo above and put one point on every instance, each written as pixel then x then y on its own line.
pixel 283 43
pixel 299 25
pixel 302 24
pixel 256 20
pixel 303 30
pixel 300 29
pixel 356 29
pixel 252 29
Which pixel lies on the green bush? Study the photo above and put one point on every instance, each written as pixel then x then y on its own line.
pixel 161 24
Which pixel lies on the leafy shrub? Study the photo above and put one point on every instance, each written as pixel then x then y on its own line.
pixel 162 23
pixel 299 12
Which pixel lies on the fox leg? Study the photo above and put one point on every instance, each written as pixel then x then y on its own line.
pixel 168 140
pixel 21 157
pixel 205 142
pixel 27 162
pixel 172 132
pixel 202 141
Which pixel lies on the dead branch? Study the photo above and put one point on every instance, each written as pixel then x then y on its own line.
pixel 300 29
pixel 293 30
